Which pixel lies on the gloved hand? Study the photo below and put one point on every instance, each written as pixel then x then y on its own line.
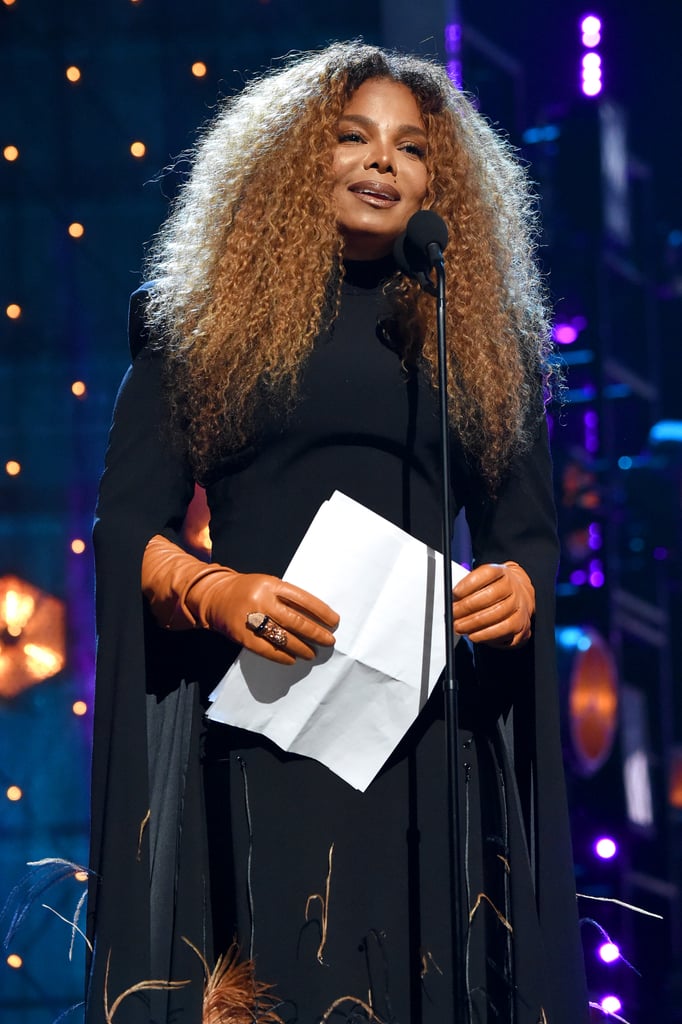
pixel 494 604
pixel 185 592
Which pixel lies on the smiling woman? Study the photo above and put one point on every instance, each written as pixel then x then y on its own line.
pixel 278 356
pixel 379 167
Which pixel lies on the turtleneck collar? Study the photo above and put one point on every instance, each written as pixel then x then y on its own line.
pixel 367 275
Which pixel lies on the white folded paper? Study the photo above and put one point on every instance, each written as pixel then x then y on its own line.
pixel 351 706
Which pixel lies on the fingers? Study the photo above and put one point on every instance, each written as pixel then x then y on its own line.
pixel 477 579
pixel 307 604
pixel 306 617
pixel 305 620
pixel 491 606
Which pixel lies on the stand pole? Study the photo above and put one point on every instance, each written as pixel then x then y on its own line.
pixel 449 681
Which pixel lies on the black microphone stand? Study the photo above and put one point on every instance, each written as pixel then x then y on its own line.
pixel 449 679
pixel 418 251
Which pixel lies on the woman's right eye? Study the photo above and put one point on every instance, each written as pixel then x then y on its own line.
pixel 350 137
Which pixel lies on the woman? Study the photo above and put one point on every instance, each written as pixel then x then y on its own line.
pixel 280 355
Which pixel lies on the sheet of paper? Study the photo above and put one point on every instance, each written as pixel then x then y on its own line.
pixel 350 707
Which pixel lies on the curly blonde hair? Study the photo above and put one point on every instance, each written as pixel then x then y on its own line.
pixel 249 264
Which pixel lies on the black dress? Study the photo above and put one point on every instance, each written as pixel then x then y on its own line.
pixel 209 833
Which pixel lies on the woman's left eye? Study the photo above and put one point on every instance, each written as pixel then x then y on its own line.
pixel 414 150
pixel 350 137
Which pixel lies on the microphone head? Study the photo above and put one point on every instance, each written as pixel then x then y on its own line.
pixel 425 227
pixel 424 238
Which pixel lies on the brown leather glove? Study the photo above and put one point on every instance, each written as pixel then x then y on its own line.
pixel 494 604
pixel 185 593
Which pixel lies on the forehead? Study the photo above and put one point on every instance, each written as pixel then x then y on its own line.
pixel 384 101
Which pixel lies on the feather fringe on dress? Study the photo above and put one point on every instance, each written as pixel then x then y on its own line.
pixel 232 995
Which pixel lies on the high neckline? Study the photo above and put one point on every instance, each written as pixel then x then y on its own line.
pixel 367 275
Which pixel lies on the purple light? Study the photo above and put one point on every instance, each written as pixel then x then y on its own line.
pixel 611 1004
pixel 578 578
pixel 596 573
pixel 453 64
pixel 660 554
pixel 453 35
pixel 590 28
pixel 605 848
pixel 454 72
pixel 609 952
pixel 592 88
pixel 565 334
pixel 591 424
pixel 594 538
pixel 592 82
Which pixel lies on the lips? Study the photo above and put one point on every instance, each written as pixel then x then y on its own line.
pixel 375 191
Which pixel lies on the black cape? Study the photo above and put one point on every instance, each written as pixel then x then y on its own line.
pixel 204 834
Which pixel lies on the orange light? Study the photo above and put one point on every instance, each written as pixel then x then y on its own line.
pixel 76 230
pixel 8 3
pixel 14 793
pixel 13 311
pixel 199 69
pixel 78 546
pixel 80 708
pixel 73 73
pixel 138 149
pixel 79 389
pixel 33 632
pixel 80 876
pixel 675 778
pixel 14 960
pixel 589 680
pixel 10 153
pixel 12 468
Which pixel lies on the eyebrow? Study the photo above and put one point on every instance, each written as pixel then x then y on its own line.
pixel 401 129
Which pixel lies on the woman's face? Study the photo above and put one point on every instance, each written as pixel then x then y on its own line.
pixel 379 169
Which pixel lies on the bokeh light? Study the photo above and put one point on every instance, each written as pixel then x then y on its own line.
pixel 606 848
pixel 73 73
pixel 76 229
pixel 79 708
pixel 592 75
pixel 565 334
pixel 10 153
pixel 138 149
pixel 79 389
pixel 590 28
pixel 199 69
pixel 13 468
pixel 78 546
pixel 611 1004
pixel 13 311
pixel 14 793
pixel 609 952
pixel 13 959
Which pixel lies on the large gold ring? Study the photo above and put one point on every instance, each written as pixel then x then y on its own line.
pixel 263 625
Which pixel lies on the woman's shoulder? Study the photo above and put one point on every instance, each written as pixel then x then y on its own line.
pixel 139 333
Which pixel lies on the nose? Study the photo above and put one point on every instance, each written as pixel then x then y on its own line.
pixel 378 157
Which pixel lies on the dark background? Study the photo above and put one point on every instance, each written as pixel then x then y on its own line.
pixel 521 62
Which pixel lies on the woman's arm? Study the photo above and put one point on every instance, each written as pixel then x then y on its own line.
pixel 516 550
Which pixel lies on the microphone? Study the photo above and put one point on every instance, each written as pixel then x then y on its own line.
pixel 420 247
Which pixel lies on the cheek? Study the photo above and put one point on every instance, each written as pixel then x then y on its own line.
pixel 339 166
pixel 421 185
